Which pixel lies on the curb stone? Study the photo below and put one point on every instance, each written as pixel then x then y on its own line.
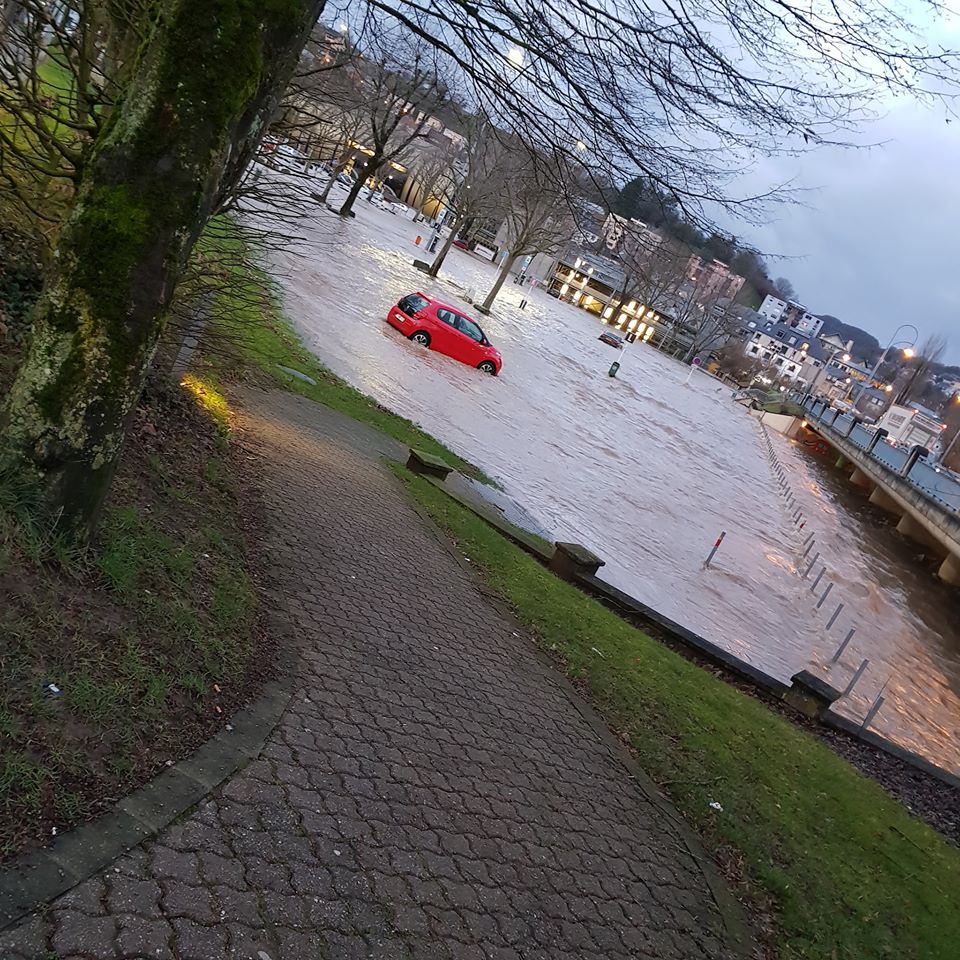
pixel 39 876
pixel 628 607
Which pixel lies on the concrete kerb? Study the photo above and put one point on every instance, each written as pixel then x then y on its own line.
pixel 730 910
pixel 628 608
pixel 854 728
pixel 40 876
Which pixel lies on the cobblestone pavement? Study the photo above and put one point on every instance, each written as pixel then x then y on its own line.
pixel 432 791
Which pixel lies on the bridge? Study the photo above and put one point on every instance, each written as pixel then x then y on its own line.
pixel 902 481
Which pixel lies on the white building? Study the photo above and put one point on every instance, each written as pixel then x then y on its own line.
pixel 616 229
pixel 910 425
pixel 791 314
pixel 788 351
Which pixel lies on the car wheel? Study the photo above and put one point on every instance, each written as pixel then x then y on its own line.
pixel 421 337
pixel 488 366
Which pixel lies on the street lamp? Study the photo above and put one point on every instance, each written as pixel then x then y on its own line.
pixel 908 353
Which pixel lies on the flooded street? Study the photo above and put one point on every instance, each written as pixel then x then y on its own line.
pixel 647 471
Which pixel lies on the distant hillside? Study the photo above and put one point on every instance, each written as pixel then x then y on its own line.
pixel 865 345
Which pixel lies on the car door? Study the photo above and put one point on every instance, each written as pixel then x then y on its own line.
pixel 470 341
pixel 445 337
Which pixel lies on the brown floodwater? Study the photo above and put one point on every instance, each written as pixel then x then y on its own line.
pixel 646 469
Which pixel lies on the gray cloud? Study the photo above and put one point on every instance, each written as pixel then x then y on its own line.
pixel 878 238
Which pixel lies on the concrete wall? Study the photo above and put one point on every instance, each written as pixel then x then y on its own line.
pixel 781 422
pixel 930 524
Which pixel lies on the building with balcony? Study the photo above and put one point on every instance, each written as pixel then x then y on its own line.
pixel 711 280
pixel 791 314
pixel 786 351
pixel 595 284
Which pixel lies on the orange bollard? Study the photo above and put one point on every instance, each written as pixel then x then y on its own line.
pixel 417 241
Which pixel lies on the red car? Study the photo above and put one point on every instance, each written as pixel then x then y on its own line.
pixel 445 329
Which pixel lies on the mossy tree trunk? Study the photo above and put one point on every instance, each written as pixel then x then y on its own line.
pixel 197 103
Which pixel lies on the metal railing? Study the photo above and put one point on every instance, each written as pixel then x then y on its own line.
pixel 936 483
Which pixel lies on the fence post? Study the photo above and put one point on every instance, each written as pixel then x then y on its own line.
pixel 856 677
pixel 878 435
pixel 916 452
pixel 843 646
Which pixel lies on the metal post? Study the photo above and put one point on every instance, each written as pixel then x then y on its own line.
pixel 843 646
pixel 855 679
pixel 833 619
pixel 810 544
pixel 816 583
pixel 806 572
pixel 826 593
pixel 716 547
pixel 874 710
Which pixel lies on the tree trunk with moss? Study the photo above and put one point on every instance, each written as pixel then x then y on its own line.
pixel 197 104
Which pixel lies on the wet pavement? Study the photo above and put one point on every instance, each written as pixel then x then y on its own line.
pixel 646 469
pixel 433 791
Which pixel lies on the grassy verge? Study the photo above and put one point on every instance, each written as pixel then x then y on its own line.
pixel 249 318
pixel 147 639
pixel 849 874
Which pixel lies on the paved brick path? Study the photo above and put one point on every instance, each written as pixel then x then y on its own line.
pixel 433 791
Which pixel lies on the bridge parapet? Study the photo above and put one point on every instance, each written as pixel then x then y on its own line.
pixel 903 480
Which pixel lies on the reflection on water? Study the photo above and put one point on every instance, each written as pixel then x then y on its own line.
pixel 647 471
pixel 906 617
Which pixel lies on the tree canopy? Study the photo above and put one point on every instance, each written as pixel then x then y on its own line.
pixel 126 123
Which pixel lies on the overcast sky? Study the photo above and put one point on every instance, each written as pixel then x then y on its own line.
pixel 878 241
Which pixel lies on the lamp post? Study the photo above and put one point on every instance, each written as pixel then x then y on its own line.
pixel 907 345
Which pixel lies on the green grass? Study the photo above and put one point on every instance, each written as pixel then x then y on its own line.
pixel 209 395
pixel 52 115
pixel 851 874
pixel 249 315
pixel 138 631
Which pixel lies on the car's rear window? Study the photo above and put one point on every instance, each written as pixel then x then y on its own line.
pixel 413 303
